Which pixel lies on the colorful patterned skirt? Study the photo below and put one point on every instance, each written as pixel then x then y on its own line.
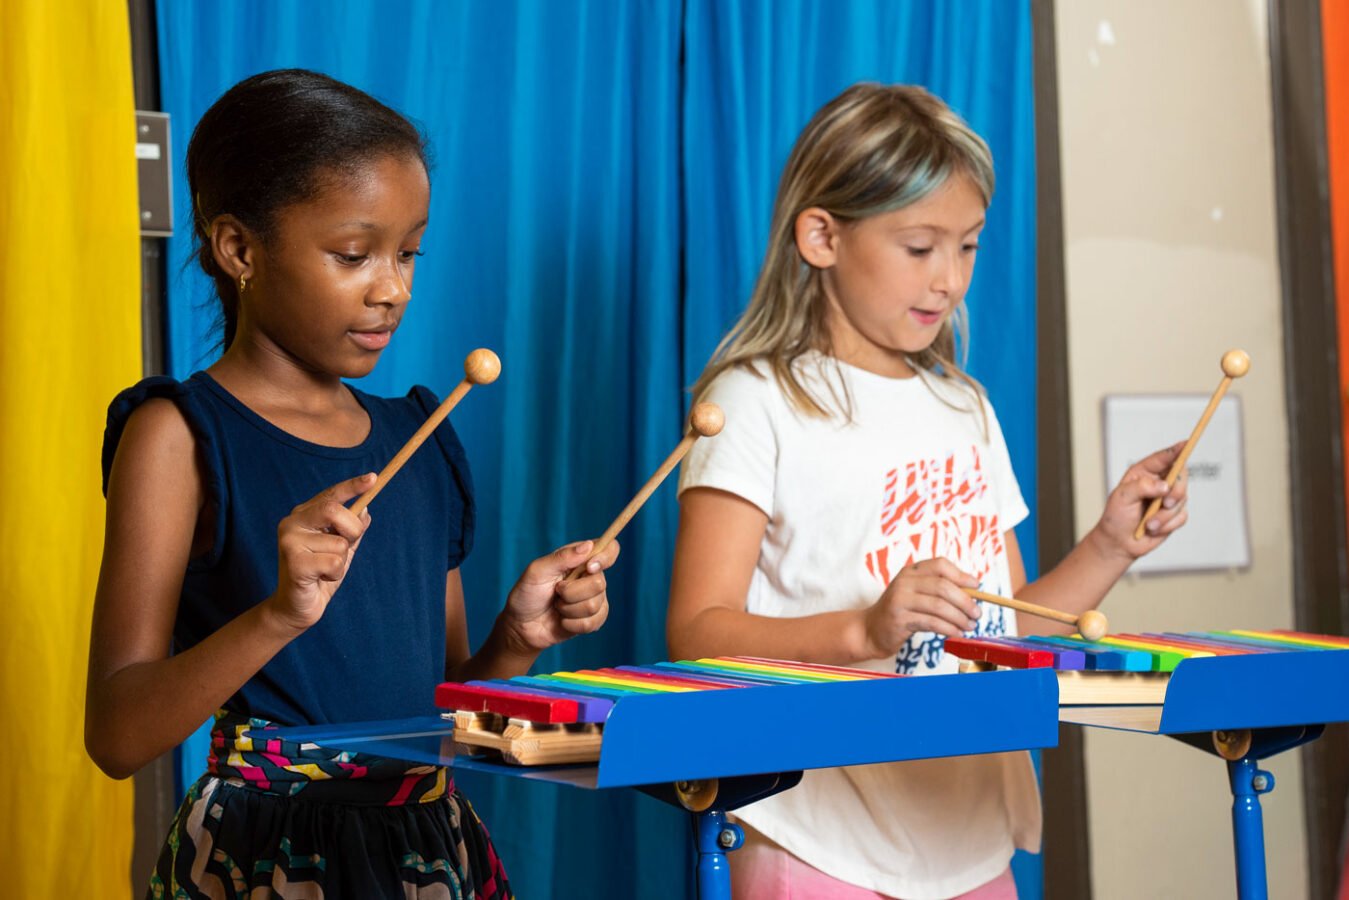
pixel 280 819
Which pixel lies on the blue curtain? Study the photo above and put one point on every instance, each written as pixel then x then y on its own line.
pixel 603 177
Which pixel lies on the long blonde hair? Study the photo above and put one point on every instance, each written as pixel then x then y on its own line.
pixel 872 149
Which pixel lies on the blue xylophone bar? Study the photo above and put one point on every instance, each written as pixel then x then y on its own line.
pixel 1096 657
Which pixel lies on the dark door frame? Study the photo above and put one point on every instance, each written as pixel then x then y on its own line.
pixel 1067 845
pixel 1315 445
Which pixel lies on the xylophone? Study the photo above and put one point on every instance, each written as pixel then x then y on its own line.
pixel 559 718
pixel 707 735
pixel 1141 669
pixel 640 725
pixel 1242 695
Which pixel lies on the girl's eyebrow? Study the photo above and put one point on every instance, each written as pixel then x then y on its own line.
pixel 940 229
pixel 371 226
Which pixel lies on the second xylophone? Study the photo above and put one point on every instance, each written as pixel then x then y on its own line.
pixel 1128 668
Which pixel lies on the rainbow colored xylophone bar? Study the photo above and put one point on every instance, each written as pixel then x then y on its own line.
pixel 559 718
pixel 1128 668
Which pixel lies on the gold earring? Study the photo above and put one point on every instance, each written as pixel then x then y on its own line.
pixel 243 284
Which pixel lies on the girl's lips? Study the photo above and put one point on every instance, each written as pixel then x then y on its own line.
pixel 371 340
pixel 924 317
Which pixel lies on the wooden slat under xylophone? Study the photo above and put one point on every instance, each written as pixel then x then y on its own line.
pixel 1127 668
pixel 559 718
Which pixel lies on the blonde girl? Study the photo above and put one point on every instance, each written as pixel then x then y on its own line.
pixel 861 482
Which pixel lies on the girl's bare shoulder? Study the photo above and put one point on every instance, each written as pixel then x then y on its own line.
pixel 157 453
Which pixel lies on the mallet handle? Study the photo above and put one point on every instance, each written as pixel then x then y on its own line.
pixel 1179 465
pixel 604 540
pixel 1034 609
pixel 405 453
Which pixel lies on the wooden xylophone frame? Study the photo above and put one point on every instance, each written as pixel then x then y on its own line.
pixel 525 743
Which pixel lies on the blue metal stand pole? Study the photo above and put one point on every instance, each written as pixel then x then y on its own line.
pixel 1249 781
pixel 715 837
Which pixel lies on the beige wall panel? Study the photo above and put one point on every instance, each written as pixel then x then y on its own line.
pixel 1171 259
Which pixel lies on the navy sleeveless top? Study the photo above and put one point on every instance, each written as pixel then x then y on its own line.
pixel 379 649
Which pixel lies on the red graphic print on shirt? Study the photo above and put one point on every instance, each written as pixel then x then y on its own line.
pixel 937 508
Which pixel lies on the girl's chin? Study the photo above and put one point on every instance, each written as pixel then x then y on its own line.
pixel 908 344
pixel 357 368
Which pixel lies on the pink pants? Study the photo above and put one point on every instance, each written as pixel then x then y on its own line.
pixel 761 870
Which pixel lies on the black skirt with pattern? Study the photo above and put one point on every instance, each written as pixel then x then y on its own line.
pixel 283 819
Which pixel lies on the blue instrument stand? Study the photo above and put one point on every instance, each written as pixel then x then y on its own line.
pixel 1243 749
pixel 1243 709
pixel 713 835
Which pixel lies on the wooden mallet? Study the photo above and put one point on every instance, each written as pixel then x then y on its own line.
pixel 705 420
pixel 480 367
pixel 1235 364
pixel 1091 624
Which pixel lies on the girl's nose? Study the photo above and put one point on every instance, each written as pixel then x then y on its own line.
pixel 391 287
pixel 950 275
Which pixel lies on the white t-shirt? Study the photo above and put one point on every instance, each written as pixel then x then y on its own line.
pixel 917 473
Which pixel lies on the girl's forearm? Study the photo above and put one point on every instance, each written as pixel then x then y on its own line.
pixel 1078 583
pixel 145 709
pixel 500 656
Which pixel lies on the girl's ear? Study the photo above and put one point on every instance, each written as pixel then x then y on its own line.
pixel 232 247
pixel 817 237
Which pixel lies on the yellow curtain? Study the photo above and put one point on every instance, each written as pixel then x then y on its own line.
pixel 69 339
